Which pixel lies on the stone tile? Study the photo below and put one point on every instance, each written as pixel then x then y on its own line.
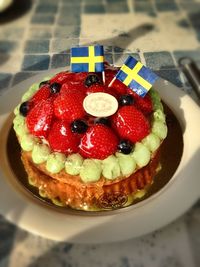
pixel 21 76
pixel 51 2
pixel 5 79
pixel 63 45
pixel 167 5
pixel 11 33
pixel 108 58
pixel 46 8
pixel 40 32
pixel 71 31
pixel 69 20
pixel 119 8
pixel 194 54
pixel 43 19
pixel 36 46
pixel 92 2
pixel 94 9
pixel 70 10
pixel 172 75
pixel 159 60
pixel 10 63
pixel 60 60
pixel 144 7
pixel 119 58
pixel 7 46
pixel 36 62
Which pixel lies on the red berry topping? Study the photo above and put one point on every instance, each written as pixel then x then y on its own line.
pixel 39 118
pixel 72 86
pixel 42 94
pixel 143 103
pixel 62 77
pixel 61 139
pixel 80 76
pixel 69 106
pixel 98 142
pixel 95 88
pixel 119 87
pixel 131 124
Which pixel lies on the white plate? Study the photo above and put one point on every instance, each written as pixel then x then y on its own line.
pixel 151 214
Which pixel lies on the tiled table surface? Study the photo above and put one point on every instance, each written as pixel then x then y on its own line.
pixel 158 32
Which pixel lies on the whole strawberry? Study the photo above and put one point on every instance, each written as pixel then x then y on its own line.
pixel 130 124
pixel 72 87
pixel 142 103
pixel 69 106
pixel 42 94
pixel 62 77
pixel 98 142
pixel 39 118
pixel 61 139
pixel 96 88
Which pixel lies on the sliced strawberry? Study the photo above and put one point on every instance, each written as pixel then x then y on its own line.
pixel 72 86
pixel 39 118
pixel 143 103
pixel 42 94
pixel 96 88
pixel 130 124
pixel 61 138
pixel 69 106
pixel 98 142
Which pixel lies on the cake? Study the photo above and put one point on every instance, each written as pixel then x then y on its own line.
pixel 84 162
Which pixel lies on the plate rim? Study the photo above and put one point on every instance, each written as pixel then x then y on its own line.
pixel 25 222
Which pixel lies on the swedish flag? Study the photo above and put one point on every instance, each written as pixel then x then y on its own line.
pixel 87 59
pixel 136 76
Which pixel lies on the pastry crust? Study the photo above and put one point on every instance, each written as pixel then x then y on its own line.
pixel 70 190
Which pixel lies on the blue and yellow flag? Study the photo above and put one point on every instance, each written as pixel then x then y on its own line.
pixel 87 59
pixel 136 76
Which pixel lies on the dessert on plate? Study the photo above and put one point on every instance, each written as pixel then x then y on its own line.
pixel 83 161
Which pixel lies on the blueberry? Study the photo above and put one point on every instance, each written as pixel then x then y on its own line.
pixel 91 79
pixel 43 83
pixel 125 147
pixel 126 100
pixel 55 88
pixel 79 126
pixel 102 120
pixel 24 108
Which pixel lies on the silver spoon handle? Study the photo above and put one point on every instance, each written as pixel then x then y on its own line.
pixel 192 73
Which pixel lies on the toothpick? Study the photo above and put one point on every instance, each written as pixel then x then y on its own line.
pixel 110 84
pixel 103 77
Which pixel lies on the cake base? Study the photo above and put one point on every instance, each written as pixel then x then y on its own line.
pixel 93 196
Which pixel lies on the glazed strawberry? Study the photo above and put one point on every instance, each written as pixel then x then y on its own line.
pixel 39 118
pixel 69 106
pixel 72 86
pixel 130 124
pixel 143 103
pixel 119 87
pixel 98 142
pixel 62 77
pixel 80 76
pixel 61 139
pixel 42 94
pixel 95 88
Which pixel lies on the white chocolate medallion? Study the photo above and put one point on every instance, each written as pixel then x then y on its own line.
pixel 100 104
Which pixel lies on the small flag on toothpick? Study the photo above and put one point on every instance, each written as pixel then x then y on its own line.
pixel 88 59
pixel 136 76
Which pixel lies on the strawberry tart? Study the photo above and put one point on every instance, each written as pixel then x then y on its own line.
pixel 85 162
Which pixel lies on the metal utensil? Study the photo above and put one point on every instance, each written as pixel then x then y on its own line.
pixel 192 73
